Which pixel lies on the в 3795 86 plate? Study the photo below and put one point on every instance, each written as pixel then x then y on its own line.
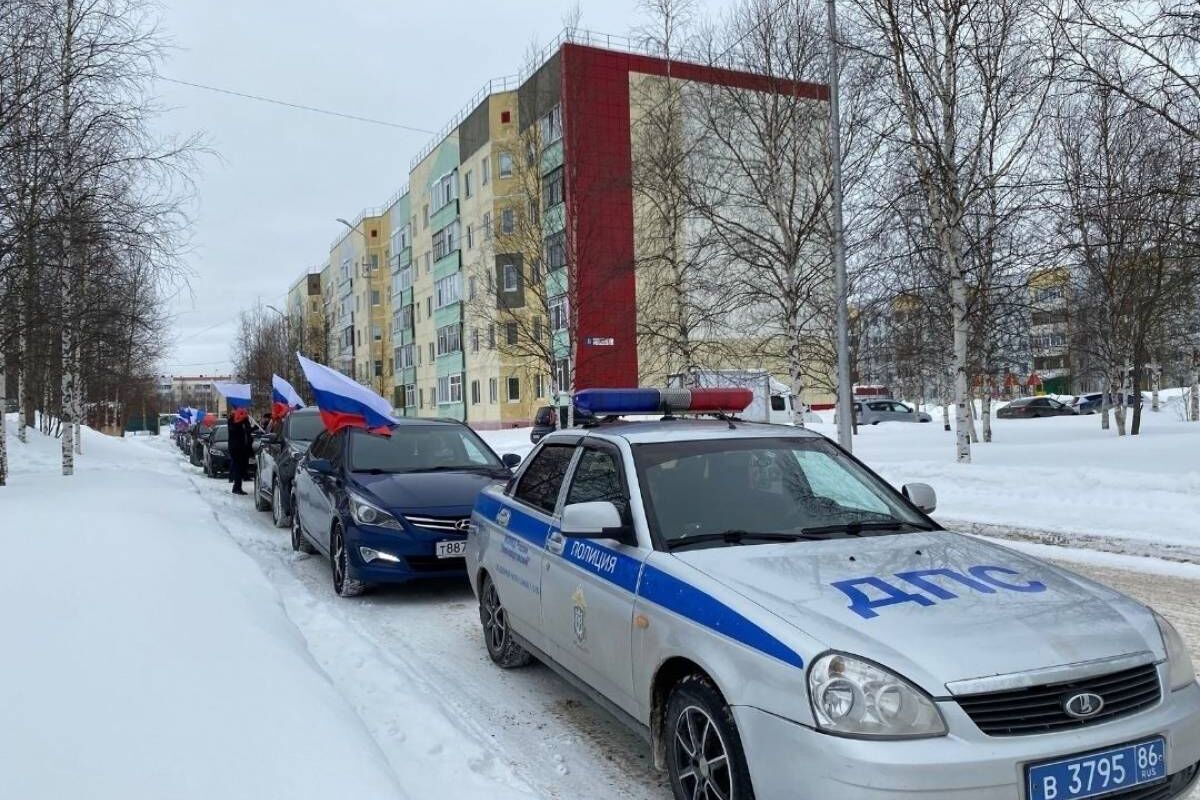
pixel 1099 773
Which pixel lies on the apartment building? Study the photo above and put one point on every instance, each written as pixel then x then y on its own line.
pixel 504 267
pixel 1049 330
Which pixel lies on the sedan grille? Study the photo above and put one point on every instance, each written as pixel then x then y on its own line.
pixel 1039 709
pixel 441 524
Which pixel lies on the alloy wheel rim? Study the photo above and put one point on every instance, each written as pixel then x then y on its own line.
pixel 275 498
pixel 701 759
pixel 494 624
pixel 339 565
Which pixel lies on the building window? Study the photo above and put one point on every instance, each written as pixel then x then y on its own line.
pixel 474 393
pixel 514 390
pixel 432 356
pixel 449 339
pixel 404 356
pixel 358 338
pixel 485 168
pixel 444 190
pixel 470 237
pixel 420 398
pixel 429 306
pixel 428 262
pixel 448 290
pixel 539 386
pixel 446 241
pixel 425 215
pixel 492 391
pixel 378 369
pixel 506 165
pixel 467 183
pixel 562 374
pixel 512 277
pixel 537 331
pixel 474 340
pixel 508 220
pixel 533 211
pixel 550 126
pixel 402 280
pixel 375 297
pixel 510 332
pixel 376 333
pixel 552 189
pixel 471 288
pixel 558 312
pixel 410 394
pixel 491 337
pixel 449 389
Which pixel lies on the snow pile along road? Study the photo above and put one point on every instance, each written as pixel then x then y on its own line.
pixel 145 655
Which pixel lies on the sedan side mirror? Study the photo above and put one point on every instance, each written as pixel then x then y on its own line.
pixel 511 460
pixel 597 519
pixel 321 466
pixel 922 496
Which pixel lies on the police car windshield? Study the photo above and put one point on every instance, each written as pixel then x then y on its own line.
pixel 421 448
pixel 778 488
pixel 304 427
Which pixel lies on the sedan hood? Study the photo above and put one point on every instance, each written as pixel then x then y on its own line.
pixel 936 607
pixel 438 493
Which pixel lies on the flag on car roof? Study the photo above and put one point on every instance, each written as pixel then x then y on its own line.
pixel 345 403
pixel 284 398
pixel 237 395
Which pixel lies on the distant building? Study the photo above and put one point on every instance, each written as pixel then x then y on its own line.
pixel 192 391
pixel 1050 331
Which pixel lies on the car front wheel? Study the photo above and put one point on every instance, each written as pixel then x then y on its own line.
pixel 501 647
pixel 299 543
pixel 259 503
pixel 339 558
pixel 704 752
pixel 278 515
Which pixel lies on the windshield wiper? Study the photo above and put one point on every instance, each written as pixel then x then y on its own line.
pixel 453 468
pixel 375 471
pixel 735 536
pixel 856 527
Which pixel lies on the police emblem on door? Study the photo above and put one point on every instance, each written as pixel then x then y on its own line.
pixel 580 616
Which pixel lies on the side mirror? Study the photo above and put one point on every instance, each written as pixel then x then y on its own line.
pixel 598 519
pixel 510 460
pixel 922 496
pixel 321 466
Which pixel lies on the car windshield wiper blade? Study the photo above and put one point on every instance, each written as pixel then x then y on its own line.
pixel 453 468
pixel 376 471
pixel 735 536
pixel 856 527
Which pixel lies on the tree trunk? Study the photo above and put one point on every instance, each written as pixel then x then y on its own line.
pixel 3 422
pixel 987 411
pixel 945 403
pixel 1136 427
pixel 1195 398
pixel 958 302
pixel 68 356
pixel 23 413
pixel 1117 389
pixel 1155 383
pixel 971 406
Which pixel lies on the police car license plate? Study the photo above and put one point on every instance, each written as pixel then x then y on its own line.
pixel 453 549
pixel 1099 773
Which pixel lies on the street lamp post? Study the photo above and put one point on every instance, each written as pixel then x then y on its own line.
pixel 841 291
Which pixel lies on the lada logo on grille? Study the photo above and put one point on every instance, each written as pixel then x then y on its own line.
pixel 1083 705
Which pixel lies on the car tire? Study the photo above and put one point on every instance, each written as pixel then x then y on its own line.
pixel 704 751
pixel 497 636
pixel 339 561
pixel 300 542
pixel 259 503
pixel 278 516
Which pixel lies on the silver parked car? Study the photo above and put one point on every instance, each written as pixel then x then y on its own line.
pixel 873 412
pixel 779 622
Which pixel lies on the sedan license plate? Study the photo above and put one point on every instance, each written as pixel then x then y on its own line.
pixel 1099 773
pixel 452 549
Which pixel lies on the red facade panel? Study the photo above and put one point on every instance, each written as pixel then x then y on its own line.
pixel 599 198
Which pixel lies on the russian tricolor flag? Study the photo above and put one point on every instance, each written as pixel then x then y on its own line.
pixel 284 398
pixel 345 403
pixel 237 395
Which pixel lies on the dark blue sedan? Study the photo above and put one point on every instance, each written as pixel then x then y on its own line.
pixel 392 509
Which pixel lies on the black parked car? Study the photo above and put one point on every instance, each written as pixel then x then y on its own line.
pixel 543 420
pixel 275 462
pixel 1034 407
pixel 196 438
pixel 216 453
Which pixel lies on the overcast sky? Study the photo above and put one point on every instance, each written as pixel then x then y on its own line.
pixel 268 196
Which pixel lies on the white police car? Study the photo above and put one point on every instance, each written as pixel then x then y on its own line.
pixel 781 623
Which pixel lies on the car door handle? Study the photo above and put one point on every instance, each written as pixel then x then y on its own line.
pixel 555 542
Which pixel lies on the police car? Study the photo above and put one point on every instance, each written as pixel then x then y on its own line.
pixel 779 622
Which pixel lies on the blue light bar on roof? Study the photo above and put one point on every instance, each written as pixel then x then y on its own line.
pixel 605 402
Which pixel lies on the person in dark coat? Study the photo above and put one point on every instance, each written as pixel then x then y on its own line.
pixel 240 447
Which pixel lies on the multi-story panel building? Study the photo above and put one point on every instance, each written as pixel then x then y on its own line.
pixel 1049 330
pixel 505 271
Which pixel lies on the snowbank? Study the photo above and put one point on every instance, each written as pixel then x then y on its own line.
pixel 145 655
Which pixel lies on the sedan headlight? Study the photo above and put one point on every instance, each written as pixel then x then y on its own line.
pixel 854 697
pixel 1179 659
pixel 366 513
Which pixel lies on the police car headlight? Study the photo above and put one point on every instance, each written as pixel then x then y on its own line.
pixel 1181 673
pixel 366 513
pixel 853 697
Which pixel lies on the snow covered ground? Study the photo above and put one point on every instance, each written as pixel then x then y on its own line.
pixel 176 647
